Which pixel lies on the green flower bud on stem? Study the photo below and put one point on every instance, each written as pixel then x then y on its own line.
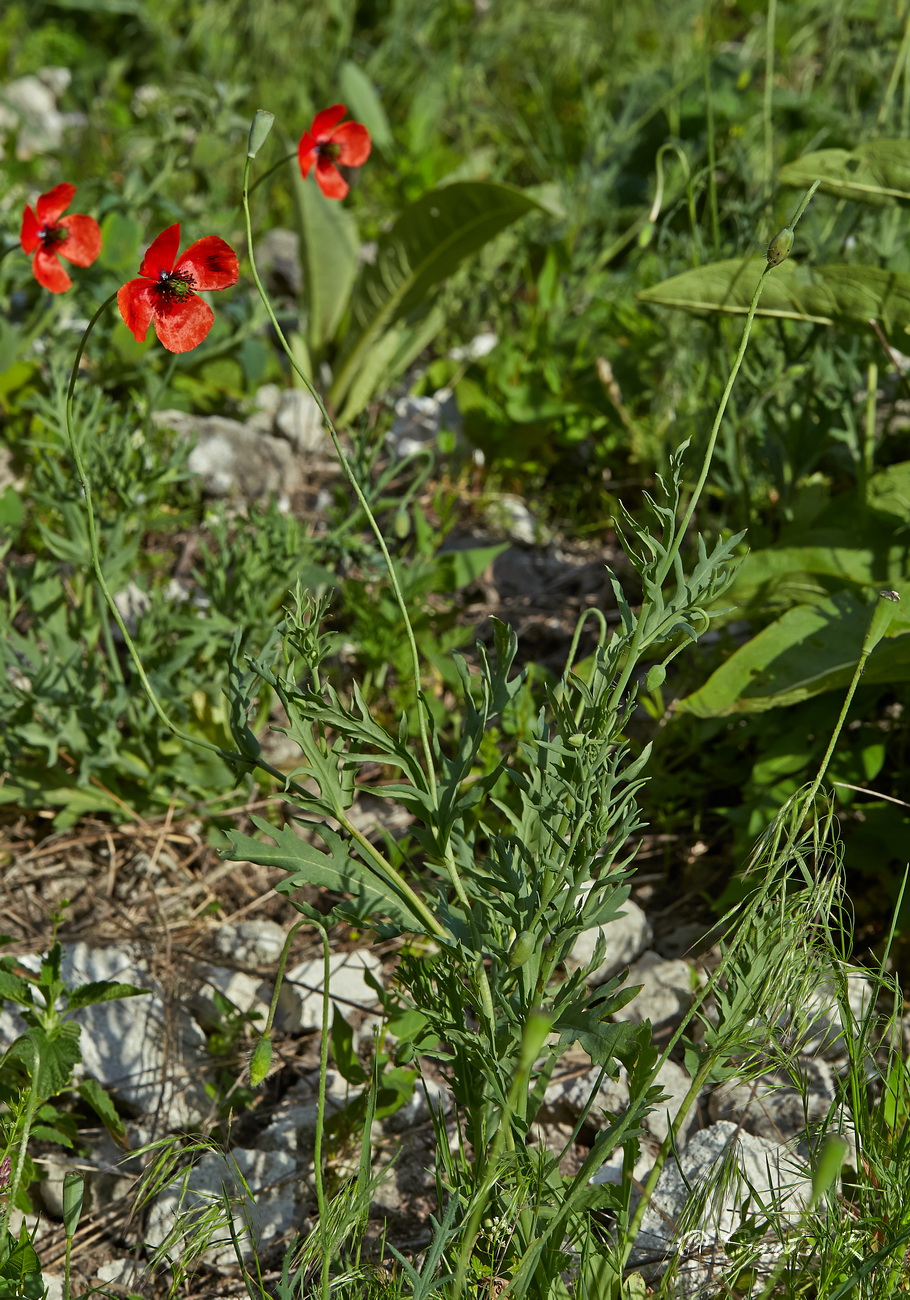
pixel 779 248
pixel 261 1060
pixel 882 614
pixel 521 949
pixel 259 129
pixel 73 1198
pixel 657 675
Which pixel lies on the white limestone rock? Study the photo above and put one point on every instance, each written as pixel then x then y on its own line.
pixel 667 986
pixel 300 999
pixel 626 936
pixel 566 1097
pixel 250 943
pixel 735 1174
pixel 261 1215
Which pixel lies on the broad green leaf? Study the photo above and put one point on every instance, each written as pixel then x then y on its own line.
pixel 429 241
pixel 329 247
pixel 14 989
pixel 875 172
pixel 463 567
pixel 809 649
pixel 601 1039
pixel 86 995
pixel 848 296
pixel 336 871
pixel 90 1090
pixel 364 104
pixel 804 573
pixel 44 1133
pixel 49 1057
pixel 389 356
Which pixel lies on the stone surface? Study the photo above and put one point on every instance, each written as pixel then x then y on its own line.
pixel 816 1026
pixel 773 1106
pixel 626 937
pixel 247 993
pixel 28 106
pixel 146 1051
pixel 420 420
pixel 408 1190
pixel 250 943
pixel 299 419
pixel 566 1097
pixel 511 515
pixel 260 1218
pixel 278 255
pixel 233 458
pixel 293 1126
pixel 481 345
pixel 122 1272
pixel 300 1000
pixel 666 990
pixel 734 1174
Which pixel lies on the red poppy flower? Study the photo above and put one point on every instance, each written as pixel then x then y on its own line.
pixel 50 235
pixel 326 143
pixel 166 297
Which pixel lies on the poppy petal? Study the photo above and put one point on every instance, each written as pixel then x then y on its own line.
pixel 136 300
pixel 330 180
pixel 30 227
pixel 211 262
pixel 49 273
pixel 183 325
pixel 162 253
pixel 325 121
pixel 306 153
pixel 83 240
pixel 355 143
pixel 54 203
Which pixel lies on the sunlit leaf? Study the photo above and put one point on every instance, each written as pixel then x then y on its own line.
pixel 875 172
pixel 849 296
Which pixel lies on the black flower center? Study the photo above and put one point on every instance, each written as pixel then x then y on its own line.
pixel 326 149
pixel 52 236
pixel 172 288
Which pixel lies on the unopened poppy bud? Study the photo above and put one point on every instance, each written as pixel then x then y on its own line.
pixel 259 129
pixel 73 1199
pixel 521 949
pixel 261 1060
pixel 576 740
pixel 657 675
pixel 779 248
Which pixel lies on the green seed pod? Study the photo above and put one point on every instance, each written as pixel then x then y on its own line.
pixel 259 130
pixel 521 949
pixel 779 248
pixel 261 1060
pixel 657 675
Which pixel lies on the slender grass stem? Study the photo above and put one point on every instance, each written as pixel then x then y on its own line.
pixel 318 1172
pixel 673 551
pixel 355 486
pixel 768 97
